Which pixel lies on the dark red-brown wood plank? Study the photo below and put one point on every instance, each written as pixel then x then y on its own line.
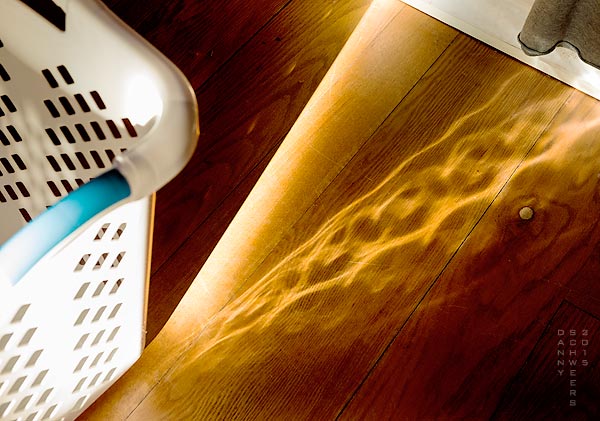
pixel 245 111
pixel 197 35
pixel 303 331
pixel 467 342
pixel 561 378
pixel 484 315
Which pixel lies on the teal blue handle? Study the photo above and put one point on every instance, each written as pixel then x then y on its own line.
pixel 32 242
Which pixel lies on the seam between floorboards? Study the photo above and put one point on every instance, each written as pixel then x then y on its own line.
pixel 375 130
pixel 513 379
pixel 237 185
pixel 403 324
pixel 197 91
pixel 335 177
pixel 268 153
pixel 202 86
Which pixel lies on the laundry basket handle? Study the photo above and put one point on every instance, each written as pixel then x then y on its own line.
pixel 32 242
pixel 137 173
pixel 169 140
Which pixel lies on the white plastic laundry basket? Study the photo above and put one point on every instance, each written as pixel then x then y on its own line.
pixel 92 121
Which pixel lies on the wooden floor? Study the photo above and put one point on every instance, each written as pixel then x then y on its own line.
pixel 355 210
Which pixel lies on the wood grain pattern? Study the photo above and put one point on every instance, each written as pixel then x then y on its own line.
pixel 246 110
pixel 486 312
pixel 351 86
pixel 393 274
pixel 560 380
pixel 198 36
pixel 329 27
pixel 583 290
pixel 307 327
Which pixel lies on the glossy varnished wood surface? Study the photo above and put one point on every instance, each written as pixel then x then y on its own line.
pixel 477 325
pixel 379 268
pixel 557 381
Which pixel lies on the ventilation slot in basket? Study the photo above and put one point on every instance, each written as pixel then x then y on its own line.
pixel 116 286
pixel 52 81
pixel 14 134
pixel 4 340
pixel 65 74
pixel 7 105
pixel 82 103
pixel 64 101
pixel 82 132
pixel 99 288
pixel 51 108
pixel 25 214
pixel 101 232
pixel 130 129
pixel 119 231
pixel 4 74
pixel 21 379
pixel 98 130
pixel 98 100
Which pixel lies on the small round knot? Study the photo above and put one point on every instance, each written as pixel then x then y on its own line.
pixel 526 213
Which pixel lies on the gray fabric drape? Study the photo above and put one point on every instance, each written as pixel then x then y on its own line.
pixel 570 23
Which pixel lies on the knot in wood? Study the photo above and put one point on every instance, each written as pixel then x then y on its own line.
pixel 526 213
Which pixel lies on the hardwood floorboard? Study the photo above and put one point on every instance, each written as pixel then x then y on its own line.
pixel 246 111
pixel 561 379
pixel 198 36
pixel 584 288
pixel 335 133
pixel 483 317
pixel 356 268
pixel 268 99
pixel 308 325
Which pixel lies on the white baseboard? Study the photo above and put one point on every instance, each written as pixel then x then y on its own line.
pixel 498 23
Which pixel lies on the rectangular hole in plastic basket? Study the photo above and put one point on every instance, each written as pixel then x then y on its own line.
pixel 98 130
pixel 98 100
pixel 14 133
pixel 23 404
pixel 34 358
pixel 50 78
pixel 39 378
pixel 27 337
pixel 82 103
pixel 8 103
pixel 4 74
pixel 98 337
pixel 81 341
pixel 51 108
pixel 113 129
pixel 16 386
pixel 67 186
pixel 82 132
pixel 65 74
pixel 3 139
pixel 4 340
pixel 67 134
